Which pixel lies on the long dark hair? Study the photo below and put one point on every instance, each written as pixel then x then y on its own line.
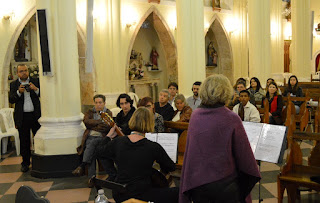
pixel 293 89
pixel 258 83
pixel 276 93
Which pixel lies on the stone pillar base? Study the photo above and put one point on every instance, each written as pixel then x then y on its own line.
pixel 59 136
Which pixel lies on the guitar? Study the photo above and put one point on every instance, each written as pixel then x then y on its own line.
pixel 110 122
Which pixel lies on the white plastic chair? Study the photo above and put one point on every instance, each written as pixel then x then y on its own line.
pixel 135 98
pixel 9 130
pixel 115 111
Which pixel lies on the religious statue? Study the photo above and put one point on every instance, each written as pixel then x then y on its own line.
pixel 212 55
pixel 154 58
pixel 20 48
pixel 217 4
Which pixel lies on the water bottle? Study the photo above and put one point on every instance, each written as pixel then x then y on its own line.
pixel 101 198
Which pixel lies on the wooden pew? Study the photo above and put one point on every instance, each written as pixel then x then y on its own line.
pixel 182 139
pixel 294 174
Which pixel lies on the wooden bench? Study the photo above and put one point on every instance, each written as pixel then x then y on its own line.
pixel 182 139
pixel 294 174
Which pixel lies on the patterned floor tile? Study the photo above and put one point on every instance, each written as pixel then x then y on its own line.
pixel 8 199
pixel 264 193
pixel 265 166
pixel 10 168
pixel 268 200
pixel 269 176
pixel 69 195
pixel 4 187
pixel 9 177
pixel 11 161
pixel 273 189
pixel 38 187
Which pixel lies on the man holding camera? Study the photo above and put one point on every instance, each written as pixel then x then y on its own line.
pixel 24 93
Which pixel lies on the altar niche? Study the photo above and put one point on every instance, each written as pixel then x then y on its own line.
pixel 151 57
pixel 218 51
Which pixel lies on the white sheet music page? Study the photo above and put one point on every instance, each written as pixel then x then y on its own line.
pixel 151 136
pixel 169 142
pixel 253 131
pixel 270 143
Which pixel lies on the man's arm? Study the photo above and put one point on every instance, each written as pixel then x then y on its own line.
pixel 254 115
pixel 13 95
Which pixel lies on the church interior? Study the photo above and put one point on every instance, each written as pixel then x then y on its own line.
pixel 111 47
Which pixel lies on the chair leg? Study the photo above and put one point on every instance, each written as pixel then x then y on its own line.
pixel 292 192
pixel 281 189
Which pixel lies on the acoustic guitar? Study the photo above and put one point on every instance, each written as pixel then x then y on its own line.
pixel 106 118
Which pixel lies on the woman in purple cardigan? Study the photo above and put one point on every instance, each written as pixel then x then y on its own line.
pixel 219 165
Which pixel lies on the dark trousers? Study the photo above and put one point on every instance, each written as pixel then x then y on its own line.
pixel 226 191
pixel 28 122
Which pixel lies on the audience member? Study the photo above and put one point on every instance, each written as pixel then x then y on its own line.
pixel 173 90
pixel 256 89
pixel 268 82
pixel 25 93
pixel 246 110
pixel 194 100
pixel 96 130
pixel 294 90
pixel 125 103
pixel 163 107
pixel 135 156
pixel 219 165
pixel 183 112
pixel 235 98
pixel 275 104
pixel 244 81
pixel 158 119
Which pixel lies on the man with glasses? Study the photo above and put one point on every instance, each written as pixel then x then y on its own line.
pixel 24 93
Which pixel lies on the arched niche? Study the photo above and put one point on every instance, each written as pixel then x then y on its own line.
pixel 142 41
pixel 220 39
pixel 316 62
pixel 87 85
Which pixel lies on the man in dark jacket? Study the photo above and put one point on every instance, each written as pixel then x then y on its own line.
pixel 24 93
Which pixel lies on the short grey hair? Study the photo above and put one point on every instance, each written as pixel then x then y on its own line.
pixel 215 89
pixel 165 91
pixel 182 98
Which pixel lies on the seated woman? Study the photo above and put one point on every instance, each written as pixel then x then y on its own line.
pixel 294 90
pixel 134 156
pixel 158 119
pixel 183 112
pixel 275 104
pixel 256 90
pixel 218 165
pixel 268 83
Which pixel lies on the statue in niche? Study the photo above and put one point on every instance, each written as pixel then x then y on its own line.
pixel 216 4
pixel 136 66
pixel 154 59
pixel 212 55
pixel 20 48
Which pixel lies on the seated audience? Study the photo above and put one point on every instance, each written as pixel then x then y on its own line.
pixel 275 104
pixel 256 90
pixel 96 130
pixel 163 107
pixel 244 81
pixel 235 98
pixel 135 156
pixel 183 112
pixel 194 100
pixel 219 165
pixel 126 104
pixel 246 110
pixel 173 89
pixel 268 82
pixel 158 119
pixel 294 90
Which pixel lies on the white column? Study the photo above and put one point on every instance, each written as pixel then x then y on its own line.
pixel 301 39
pixel 61 119
pixel 259 39
pixel 190 44
pixel 277 44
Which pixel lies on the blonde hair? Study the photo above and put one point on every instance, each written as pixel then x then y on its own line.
pixel 182 98
pixel 142 121
pixel 215 89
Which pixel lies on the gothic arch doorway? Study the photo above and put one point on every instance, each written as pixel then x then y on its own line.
pixel 218 36
pixel 87 85
pixel 152 32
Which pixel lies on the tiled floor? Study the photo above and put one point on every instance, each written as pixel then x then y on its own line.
pixel 74 189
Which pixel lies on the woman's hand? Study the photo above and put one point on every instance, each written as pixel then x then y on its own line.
pixel 112 133
pixel 270 114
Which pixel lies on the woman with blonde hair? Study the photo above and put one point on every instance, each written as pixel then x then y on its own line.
pixel 134 156
pixel 218 165
pixel 183 112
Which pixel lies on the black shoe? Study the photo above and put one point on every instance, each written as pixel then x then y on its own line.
pixel 24 168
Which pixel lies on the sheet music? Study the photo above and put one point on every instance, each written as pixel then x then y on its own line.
pixel 169 142
pixel 253 131
pixel 270 143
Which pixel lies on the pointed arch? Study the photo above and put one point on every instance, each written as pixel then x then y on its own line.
pixel 221 39
pixel 166 38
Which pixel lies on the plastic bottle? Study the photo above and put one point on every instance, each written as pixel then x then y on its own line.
pixel 101 198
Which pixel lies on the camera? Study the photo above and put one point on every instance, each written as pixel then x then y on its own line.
pixel 27 87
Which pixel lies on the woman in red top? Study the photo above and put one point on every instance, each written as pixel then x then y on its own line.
pixel 275 104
